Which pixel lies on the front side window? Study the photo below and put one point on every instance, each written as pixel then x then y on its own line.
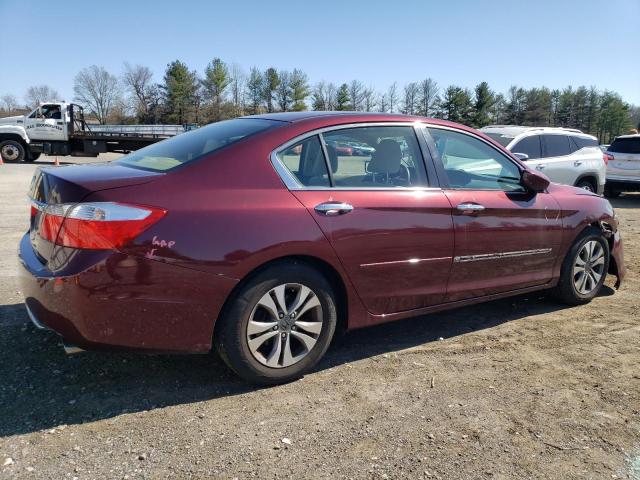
pixel 529 146
pixel 375 157
pixel 556 145
pixel 471 164
pixel 186 147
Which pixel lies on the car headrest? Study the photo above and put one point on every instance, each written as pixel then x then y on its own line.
pixel 386 158
pixel 312 162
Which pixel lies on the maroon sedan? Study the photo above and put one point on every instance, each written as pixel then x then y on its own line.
pixel 257 236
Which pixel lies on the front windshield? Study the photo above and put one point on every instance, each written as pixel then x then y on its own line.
pixel 186 147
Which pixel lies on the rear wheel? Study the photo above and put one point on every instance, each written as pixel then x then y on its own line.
pixel 584 268
pixel 12 151
pixel 279 325
pixel 587 185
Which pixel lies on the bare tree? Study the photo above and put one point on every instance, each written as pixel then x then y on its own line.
pixel 392 96
pixel 97 90
pixel 9 102
pixel 39 93
pixel 384 103
pixel 428 97
pixel 138 81
pixel 410 98
pixel 369 99
pixel 238 80
pixel 356 91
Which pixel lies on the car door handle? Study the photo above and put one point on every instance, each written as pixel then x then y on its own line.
pixel 470 207
pixel 577 163
pixel 540 166
pixel 331 209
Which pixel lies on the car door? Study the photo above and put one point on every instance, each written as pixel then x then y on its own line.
pixel 46 123
pixel 557 162
pixel 506 238
pixel 391 229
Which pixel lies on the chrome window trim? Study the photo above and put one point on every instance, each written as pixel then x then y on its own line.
pixel 291 182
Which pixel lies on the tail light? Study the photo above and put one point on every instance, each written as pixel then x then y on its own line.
pixel 607 158
pixel 98 226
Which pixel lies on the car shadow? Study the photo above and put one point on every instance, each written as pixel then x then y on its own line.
pixel 626 200
pixel 42 388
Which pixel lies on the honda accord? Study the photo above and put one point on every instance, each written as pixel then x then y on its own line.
pixel 258 238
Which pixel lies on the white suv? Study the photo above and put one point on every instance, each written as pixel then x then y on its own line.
pixel 565 155
pixel 623 170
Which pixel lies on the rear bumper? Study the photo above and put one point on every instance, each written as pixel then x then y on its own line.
pixel 623 184
pixel 109 300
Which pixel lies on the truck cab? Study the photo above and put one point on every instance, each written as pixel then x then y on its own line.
pixel 49 121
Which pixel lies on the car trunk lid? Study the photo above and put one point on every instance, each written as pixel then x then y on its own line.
pixel 70 185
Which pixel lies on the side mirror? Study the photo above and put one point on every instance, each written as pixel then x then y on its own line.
pixel 534 181
pixel 521 156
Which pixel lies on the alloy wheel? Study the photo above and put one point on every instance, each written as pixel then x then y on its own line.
pixel 588 267
pixel 284 325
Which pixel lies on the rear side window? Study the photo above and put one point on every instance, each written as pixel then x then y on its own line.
pixel 529 146
pixel 625 145
pixel 306 162
pixel 375 157
pixel 186 147
pixel 583 142
pixel 556 145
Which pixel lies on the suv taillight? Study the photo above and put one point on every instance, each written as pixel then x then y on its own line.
pixel 607 158
pixel 98 225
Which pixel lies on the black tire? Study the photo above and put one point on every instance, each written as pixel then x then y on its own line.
pixel 231 339
pixel 587 185
pixel 611 193
pixel 12 151
pixel 566 290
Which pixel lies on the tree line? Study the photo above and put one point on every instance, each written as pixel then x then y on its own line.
pixel 226 91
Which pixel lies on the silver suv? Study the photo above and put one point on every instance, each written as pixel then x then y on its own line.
pixel 623 170
pixel 565 155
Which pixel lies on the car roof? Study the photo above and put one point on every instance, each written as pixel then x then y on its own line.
pixel 315 119
pixel 633 135
pixel 515 130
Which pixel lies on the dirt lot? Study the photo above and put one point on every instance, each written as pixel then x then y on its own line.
pixel 520 388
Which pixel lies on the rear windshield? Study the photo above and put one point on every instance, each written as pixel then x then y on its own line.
pixel 625 145
pixel 503 140
pixel 186 147
pixel 583 142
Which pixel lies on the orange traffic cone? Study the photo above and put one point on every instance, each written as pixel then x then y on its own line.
pixel 56 162
pixel 1 162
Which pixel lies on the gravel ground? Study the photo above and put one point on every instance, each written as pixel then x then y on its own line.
pixel 519 388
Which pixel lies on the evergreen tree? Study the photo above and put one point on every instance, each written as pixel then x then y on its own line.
pixel 485 99
pixel 457 105
pixel 215 82
pixel 255 90
pixel 271 83
pixel 180 89
pixel 342 98
pixel 299 90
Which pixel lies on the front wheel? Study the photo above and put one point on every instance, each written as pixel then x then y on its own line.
pixel 12 151
pixel 584 268
pixel 279 325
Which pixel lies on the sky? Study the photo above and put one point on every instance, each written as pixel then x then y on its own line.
pixel 555 43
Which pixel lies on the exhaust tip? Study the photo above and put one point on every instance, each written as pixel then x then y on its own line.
pixel 72 349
